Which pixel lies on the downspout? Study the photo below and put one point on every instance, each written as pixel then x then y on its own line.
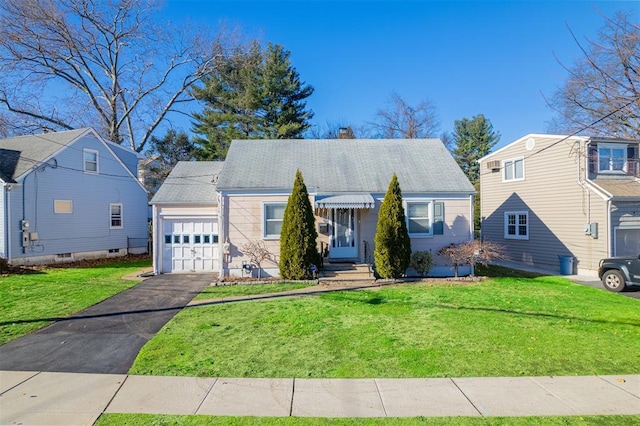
pixel 472 216
pixel 222 236
pixel 471 226
pixel 5 193
pixel 156 239
pixel 609 251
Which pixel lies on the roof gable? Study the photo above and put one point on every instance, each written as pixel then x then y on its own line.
pixel 32 150
pixel 190 182
pixel 342 165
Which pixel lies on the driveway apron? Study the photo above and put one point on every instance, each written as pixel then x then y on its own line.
pixel 106 337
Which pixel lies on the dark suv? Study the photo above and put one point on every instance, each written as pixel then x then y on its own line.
pixel 617 273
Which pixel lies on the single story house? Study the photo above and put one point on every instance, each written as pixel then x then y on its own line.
pixel 346 180
pixel 69 195
pixel 551 197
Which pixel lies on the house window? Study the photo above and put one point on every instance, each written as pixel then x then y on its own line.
pixel 273 214
pixel 513 170
pixel 419 219
pixel 612 158
pixel 115 215
pixel 90 160
pixel 516 225
pixel 62 206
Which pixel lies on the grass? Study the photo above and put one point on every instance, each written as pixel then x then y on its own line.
pixel 31 301
pixel 247 289
pixel 165 420
pixel 499 327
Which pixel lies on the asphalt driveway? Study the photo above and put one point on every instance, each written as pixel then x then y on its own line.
pixel 106 337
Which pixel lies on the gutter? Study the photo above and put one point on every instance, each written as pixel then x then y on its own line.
pixel 7 214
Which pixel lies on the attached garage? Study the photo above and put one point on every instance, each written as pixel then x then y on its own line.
pixel 190 245
pixel 185 220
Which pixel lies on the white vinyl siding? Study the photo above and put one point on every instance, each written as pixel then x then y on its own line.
pixel 612 158
pixel 516 225
pixel 115 216
pixel 513 170
pixel 90 161
pixel 273 215
pixel 419 219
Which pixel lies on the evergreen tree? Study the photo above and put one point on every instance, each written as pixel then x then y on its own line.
pixel 253 94
pixel 298 249
pixel 283 95
pixel 393 246
pixel 473 140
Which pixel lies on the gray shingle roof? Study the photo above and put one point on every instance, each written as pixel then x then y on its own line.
pixel 342 166
pixel 21 153
pixel 190 183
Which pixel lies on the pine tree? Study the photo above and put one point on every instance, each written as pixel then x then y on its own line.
pixel 393 246
pixel 253 94
pixel 298 249
pixel 473 139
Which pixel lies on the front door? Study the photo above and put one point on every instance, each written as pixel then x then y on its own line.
pixel 344 241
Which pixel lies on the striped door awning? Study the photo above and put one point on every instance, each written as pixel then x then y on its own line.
pixel 346 201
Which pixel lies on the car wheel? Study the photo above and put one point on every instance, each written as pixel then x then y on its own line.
pixel 613 281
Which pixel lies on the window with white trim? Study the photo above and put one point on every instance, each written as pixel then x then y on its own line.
pixel 115 216
pixel 90 158
pixel 513 170
pixel 419 218
pixel 516 225
pixel 612 158
pixel 273 215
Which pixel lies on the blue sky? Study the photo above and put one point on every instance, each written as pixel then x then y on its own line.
pixel 467 57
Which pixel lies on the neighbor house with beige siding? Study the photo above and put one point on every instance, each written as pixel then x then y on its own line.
pixel 545 196
pixel 346 180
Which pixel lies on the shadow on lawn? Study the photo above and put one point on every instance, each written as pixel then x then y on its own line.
pixel 372 301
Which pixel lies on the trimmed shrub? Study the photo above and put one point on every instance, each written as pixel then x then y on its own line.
pixel 422 262
pixel 393 246
pixel 298 248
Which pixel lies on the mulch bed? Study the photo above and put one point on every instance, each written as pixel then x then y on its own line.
pixel 6 269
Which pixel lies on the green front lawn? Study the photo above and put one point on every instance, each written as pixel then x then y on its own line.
pixel 499 327
pixel 33 300
pixel 160 420
pixel 217 292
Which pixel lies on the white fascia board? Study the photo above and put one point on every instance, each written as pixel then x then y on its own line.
pixel 530 135
pixel 106 145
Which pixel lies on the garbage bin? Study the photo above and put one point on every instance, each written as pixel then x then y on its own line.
pixel 566 265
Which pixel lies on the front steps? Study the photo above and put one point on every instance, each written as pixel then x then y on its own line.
pixel 346 272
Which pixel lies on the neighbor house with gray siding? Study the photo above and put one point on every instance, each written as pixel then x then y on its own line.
pixel 544 196
pixel 346 180
pixel 69 195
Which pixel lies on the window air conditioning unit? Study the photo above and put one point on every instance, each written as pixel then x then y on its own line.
pixel 493 165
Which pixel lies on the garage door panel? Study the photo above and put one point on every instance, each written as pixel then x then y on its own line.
pixel 190 245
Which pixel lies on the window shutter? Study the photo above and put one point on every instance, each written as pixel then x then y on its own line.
pixel 438 218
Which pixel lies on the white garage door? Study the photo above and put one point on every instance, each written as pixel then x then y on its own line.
pixel 190 245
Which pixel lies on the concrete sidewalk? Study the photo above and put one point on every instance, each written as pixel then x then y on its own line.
pixel 38 398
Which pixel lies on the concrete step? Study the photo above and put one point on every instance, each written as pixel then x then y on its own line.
pixel 360 267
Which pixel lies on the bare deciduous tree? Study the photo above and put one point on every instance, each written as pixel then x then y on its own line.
pixel 73 63
pixel 472 252
pixel 602 90
pixel 401 120
pixel 258 252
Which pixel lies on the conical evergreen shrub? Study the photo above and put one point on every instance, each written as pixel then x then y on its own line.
pixel 298 250
pixel 393 246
